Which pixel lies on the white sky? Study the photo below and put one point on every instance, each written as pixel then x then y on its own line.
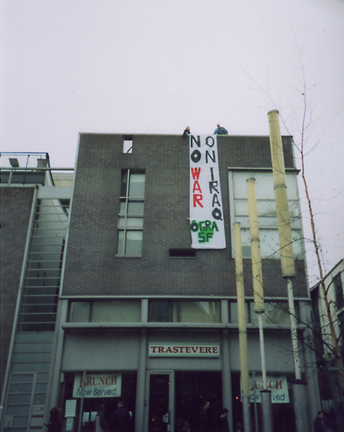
pixel 156 66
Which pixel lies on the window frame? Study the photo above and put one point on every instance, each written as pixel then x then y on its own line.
pixel 268 223
pixel 123 226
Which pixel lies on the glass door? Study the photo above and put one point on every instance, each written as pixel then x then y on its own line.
pixel 159 401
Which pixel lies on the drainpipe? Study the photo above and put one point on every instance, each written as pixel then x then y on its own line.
pixel 287 262
pixel 239 271
pixel 258 294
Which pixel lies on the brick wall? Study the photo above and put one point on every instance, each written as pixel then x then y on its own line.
pixel 92 267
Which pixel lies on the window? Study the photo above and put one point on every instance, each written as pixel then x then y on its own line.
pixel 105 311
pixel 338 287
pixel 266 206
pixel 274 313
pixel 130 218
pixel 128 144
pixel 184 311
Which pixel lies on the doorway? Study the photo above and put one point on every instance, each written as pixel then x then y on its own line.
pixel 159 409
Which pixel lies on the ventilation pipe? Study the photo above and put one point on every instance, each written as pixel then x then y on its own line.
pixel 258 294
pixel 287 260
pixel 244 375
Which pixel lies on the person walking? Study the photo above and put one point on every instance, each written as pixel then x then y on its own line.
pixel 100 420
pixel 224 420
pixel 54 423
pixel 204 418
pixel 120 420
pixel 318 425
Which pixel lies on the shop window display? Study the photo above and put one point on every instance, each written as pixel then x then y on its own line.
pixel 99 389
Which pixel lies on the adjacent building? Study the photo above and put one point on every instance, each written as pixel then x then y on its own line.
pixel 116 290
pixel 328 311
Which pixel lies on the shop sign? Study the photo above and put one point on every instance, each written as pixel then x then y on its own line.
pixel 98 386
pixel 206 211
pixel 183 350
pixel 277 385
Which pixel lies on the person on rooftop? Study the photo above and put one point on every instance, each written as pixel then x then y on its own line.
pixel 220 130
pixel 187 131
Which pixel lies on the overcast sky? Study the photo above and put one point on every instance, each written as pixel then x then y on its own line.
pixel 156 66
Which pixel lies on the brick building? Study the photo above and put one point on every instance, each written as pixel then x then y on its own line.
pixel 144 316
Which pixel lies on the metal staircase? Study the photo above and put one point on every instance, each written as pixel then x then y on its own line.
pixel 33 343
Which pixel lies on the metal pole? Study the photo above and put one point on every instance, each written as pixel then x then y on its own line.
pixel 262 350
pixel 82 400
pixel 258 293
pixel 267 411
pixel 244 376
pixel 255 401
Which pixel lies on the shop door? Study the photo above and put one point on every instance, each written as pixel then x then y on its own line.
pixel 159 413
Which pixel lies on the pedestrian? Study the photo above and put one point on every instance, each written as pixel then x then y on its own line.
pixel 120 420
pixel 224 420
pixel 187 131
pixel 186 427
pixel 100 420
pixel 237 427
pixel 54 423
pixel 318 425
pixel 204 418
pixel 220 130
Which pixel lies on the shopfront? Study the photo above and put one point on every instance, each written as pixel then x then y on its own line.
pixel 177 377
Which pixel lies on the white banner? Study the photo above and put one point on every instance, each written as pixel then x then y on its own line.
pixel 206 211
pixel 98 386
pixel 277 385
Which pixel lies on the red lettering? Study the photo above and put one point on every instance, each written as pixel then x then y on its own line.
pixel 89 381
pixel 196 187
pixel 194 349
pixel 103 381
pixel 168 350
pixel 195 173
pixel 175 349
pixel 160 349
pixel 197 198
pixel 154 348
pixel 188 349
pixel 202 350
pixel 279 384
pixel 215 350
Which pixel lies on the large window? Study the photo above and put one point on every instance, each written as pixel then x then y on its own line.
pixel 184 311
pixel 105 311
pixel 130 218
pixel 276 313
pixel 266 206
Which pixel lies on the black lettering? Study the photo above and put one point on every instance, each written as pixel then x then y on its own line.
pixel 213 185
pixel 212 173
pixel 215 201
pixel 194 226
pixel 196 156
pixel 217 214
pixel 208 156
pixel 197 142
pixel 211 140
